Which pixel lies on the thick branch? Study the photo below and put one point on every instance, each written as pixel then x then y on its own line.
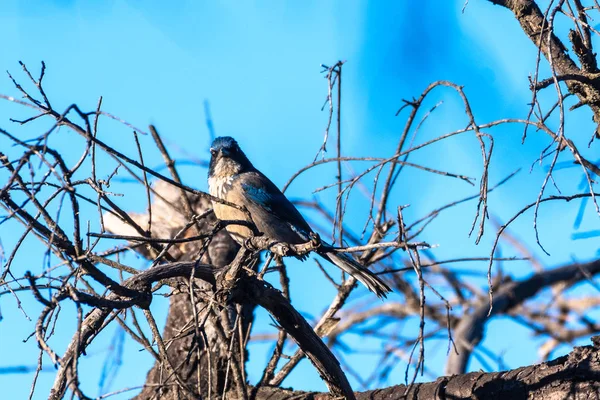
pixel 295 325
pixel 470 329
pixel 574 376
pixel 535 26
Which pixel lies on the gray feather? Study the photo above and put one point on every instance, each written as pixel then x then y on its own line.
pixel 352 267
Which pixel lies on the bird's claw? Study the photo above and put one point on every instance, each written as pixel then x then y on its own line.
pixel 315 240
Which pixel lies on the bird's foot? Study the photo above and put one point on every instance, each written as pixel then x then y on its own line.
pixel 315 240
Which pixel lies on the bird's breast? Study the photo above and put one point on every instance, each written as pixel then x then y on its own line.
pixel 222 188
pixel 218 186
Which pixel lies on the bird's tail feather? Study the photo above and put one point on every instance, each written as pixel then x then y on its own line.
pixel 362 274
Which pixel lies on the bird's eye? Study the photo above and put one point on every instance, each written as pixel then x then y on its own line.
pixel 213 151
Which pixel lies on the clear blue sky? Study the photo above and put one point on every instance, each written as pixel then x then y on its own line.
pixel 258 64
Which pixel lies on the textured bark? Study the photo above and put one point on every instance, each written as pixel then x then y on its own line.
pixel 583 82
pixel 470 329
pixel 574 376
pixel 168 219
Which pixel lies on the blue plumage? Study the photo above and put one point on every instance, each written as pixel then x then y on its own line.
pixel 259 195
pixel 224 142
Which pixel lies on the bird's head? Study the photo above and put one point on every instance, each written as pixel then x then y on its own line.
pixel 226 158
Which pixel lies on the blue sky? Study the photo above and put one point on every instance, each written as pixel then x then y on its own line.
pixel 258 66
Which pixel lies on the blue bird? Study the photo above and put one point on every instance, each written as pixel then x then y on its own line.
pixel 232 177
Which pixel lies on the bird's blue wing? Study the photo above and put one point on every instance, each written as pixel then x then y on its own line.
pixel 263 193
pixel 260 196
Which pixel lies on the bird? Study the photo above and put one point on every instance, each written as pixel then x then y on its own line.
pixel 234 179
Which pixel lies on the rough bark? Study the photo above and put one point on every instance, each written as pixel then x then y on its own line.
pixel 584 82
pixel 574 376
pixel 169 218
pixel 470 330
